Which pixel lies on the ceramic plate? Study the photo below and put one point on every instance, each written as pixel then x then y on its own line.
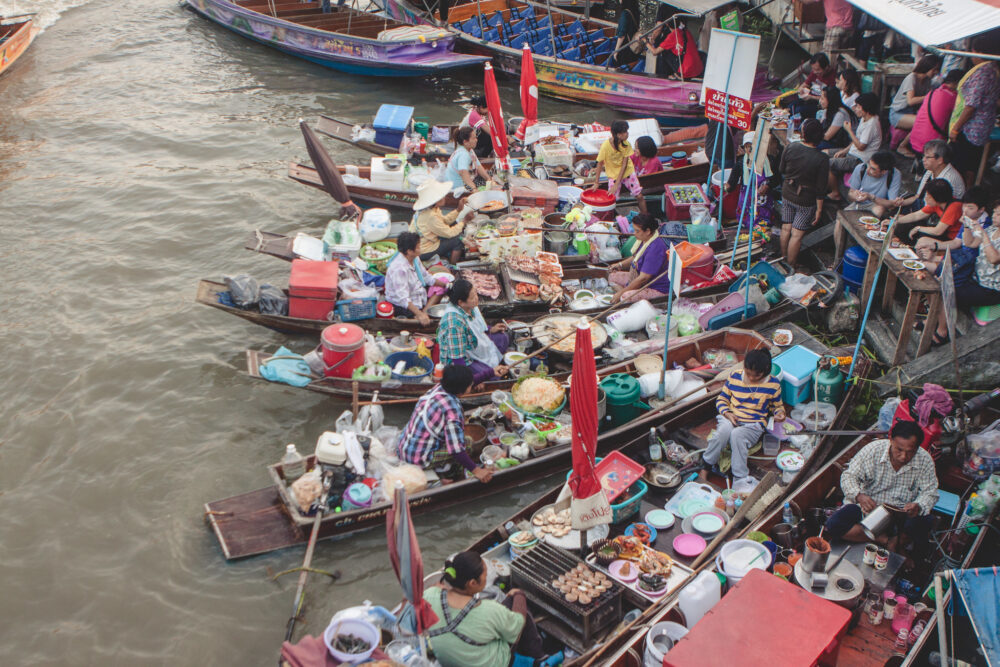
pixel 868 220
pixel 652 531
pixel 914 264
pixel 691 507
pixel 615 571
pixel 875 235
pixel 689 545
pixel 782 337
pixel 707 523
pixel 660 519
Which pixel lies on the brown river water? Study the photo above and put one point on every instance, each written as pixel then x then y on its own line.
pixel 139 146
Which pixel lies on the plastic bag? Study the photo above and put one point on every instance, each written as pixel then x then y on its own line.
pixel 352 288
pixel 345 422
pixel 273 300
pixel 796 286
pixel 371 417
pixel 886 412
pixel 244 290
pixel 412 477
pixel 307 491
pixel 687 325
pixel 814 416
pixel 700 214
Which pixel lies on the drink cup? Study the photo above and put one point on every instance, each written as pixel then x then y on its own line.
pixel 889 608
pixel 881 559
pixel 869 557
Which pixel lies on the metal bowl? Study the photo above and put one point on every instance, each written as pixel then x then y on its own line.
pixel 392 164
pixel 437 310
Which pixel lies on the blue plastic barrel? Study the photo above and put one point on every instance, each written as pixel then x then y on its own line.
pixel 853 267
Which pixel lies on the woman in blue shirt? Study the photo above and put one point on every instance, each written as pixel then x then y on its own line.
pixel 463 164
pixel 639 277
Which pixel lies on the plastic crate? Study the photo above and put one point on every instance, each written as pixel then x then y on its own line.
pixel 350 310
pixel 626 510
pixel 677 210
pixel 700 233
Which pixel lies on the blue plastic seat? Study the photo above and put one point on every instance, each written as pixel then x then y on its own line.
pixel 517 27
pixel 603 48
pixel 542 47
pixel 527 12
pixel 576 27
pixel 544 22
pixel 539 35
pixel 519 41
pixel 494 20
pixel 491 35
pixel 571 54
pixel 640 65
pixel 595 35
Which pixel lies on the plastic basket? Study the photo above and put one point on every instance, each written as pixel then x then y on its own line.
pixel 626 510
pixel 356 309
pixel 700 233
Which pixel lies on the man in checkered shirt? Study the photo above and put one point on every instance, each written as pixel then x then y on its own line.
pixel 894 472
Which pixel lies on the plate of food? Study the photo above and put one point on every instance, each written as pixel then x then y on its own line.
pixel 492 206
pixel 902 253
pixel 870 221
pixel 781 337
pixel 539 394
pixel 875 235
pixel 914 264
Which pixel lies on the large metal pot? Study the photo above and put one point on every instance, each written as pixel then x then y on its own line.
pixel 877 522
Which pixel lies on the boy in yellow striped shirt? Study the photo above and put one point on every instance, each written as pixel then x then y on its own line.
pixel 748 399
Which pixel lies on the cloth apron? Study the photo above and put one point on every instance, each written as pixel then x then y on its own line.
pixel 486 351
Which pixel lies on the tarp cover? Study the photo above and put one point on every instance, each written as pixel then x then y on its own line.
pixel 934 22
pixel 980 590
pixel 698 7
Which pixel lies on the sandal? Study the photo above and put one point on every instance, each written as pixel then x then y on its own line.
pixel 938 340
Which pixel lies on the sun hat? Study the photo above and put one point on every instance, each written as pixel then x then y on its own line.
pixel 429 193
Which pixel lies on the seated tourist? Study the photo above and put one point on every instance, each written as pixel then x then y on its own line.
pixel 875 185
pixel 939 219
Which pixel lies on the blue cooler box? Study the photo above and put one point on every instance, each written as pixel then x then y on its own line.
pixel 797 366
pixel 391 123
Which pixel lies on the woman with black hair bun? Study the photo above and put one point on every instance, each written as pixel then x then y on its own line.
pixel 475 632
pixel 464 337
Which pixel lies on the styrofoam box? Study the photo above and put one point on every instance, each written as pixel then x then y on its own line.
pixel 383 178
pixel 648 127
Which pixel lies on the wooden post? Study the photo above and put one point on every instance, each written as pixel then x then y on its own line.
pixel 355 405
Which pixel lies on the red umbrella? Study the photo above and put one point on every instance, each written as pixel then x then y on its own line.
pixel 404 553
pixel 529 92
pixel 497 130
pixel 589 502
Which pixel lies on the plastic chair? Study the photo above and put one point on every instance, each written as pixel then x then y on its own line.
pixel 542 47
pixel 495 20
pixel 544 22
pixel 640 65
pixel 519 41
pixel 571 54
pixel 491 35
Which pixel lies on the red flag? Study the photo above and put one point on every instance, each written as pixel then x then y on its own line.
pixel 497 130
pixel 589 506
pixel 529 92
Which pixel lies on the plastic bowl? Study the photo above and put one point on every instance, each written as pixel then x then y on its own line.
pixel 356 627
pixel 412 359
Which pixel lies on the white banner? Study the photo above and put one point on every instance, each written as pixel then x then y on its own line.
pixel 732 63
pixel 934 22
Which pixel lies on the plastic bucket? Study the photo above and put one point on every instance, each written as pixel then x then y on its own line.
pixel 853 267
pixel 356 627
pixel 731 200
pixel 569 195
pixel 411 359
pixel 601 201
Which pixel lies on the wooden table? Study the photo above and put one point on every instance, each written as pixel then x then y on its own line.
pixel 896 273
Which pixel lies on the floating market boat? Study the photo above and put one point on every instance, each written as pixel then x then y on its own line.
pixel 342 38
pixel 572 57
pixel 589 632
pixel 864 644
pixel 266 519
pixel 368 193
pixel 15 38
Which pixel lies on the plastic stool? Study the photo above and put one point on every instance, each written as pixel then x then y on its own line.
pixel 986 314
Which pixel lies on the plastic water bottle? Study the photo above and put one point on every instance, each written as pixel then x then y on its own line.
pixel 786 514
pixel 293 464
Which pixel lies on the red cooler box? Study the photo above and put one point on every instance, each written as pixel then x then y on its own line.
pixel 312 289
pixel 678 198
pixel 698 261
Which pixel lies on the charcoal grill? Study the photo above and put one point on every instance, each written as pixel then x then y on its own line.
pixel 534 571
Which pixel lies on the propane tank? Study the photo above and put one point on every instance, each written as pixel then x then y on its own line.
pixel 829 380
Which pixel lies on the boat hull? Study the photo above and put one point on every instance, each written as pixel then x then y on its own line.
pixel 17 43
pixel 339 51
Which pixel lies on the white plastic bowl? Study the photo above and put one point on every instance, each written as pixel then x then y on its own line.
pixel 737 557
pixel 356 627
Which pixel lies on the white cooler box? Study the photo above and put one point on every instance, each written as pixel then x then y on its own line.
pixel 383 178
pixel 644 127
pixel 554 154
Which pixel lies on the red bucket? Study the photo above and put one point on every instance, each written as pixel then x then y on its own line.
pixel 343 349
pixel 602 201
pixel 731 200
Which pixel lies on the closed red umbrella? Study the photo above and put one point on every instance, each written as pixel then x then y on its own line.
pixel 589 506
pixel 529 92
pixel 404 553
pixel 497 130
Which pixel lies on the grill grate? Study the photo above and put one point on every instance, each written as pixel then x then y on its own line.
pixel 534 571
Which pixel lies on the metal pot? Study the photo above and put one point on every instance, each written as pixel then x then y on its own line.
pixel 783 535
pixel 816 554
pixel 877 522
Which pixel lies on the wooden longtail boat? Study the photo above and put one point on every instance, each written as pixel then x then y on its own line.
pixel 576 70
pixel 343 39
pixel 260 521
pixel 15 38
pixel 652 184
pixel 690 429
pixel 343 130
pixel 209 292
pixel 864 645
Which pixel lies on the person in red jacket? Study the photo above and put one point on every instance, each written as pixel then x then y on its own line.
pixel 682 57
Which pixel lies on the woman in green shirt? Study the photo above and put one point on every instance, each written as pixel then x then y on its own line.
pixel 474 632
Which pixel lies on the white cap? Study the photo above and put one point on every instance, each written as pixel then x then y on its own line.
pixel 748 137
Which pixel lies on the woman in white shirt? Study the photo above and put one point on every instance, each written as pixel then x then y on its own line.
pixel 864 142
pixel 911 93
pixel 406 281
pixel 849 85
